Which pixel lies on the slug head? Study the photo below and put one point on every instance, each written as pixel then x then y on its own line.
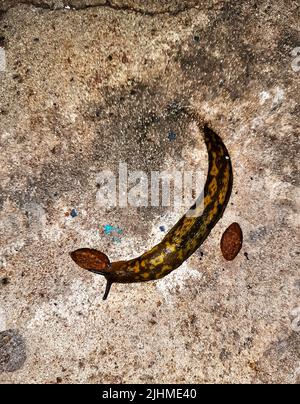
pixel 96 262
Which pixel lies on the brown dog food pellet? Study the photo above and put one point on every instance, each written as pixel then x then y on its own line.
pixel 232 241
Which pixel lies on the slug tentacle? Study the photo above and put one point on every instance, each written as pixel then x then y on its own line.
pixel 184 238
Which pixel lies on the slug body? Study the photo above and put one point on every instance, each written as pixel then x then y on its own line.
pixel 183 239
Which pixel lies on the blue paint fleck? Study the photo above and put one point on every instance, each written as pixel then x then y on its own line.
pixel 108 229
pixel 74 213
pixel 113 232
pixel 172 136
pixel 162 228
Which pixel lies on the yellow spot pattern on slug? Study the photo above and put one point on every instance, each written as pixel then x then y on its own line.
pixel 213 187
pixel 170 248
pixel 136 267
pixel 213 211
pixel 214 169
pixel 157 261
pixel 207 200
pixel 180 255
pixel 165 270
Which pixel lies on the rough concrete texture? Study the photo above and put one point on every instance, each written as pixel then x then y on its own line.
pixel 85 89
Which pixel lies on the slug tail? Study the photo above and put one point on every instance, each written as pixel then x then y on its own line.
pixel 107 289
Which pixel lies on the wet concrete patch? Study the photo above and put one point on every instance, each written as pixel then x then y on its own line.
pixel 282 360
pixel 12 351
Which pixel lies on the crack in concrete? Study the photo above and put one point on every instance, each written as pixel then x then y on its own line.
pixel 108 5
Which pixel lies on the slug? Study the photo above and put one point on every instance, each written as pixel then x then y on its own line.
pixel 232 242
pixel 183 239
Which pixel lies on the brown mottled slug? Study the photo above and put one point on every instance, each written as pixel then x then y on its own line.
pixel 183 239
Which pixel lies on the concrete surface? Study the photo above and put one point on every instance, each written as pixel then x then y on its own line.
pixel 89 87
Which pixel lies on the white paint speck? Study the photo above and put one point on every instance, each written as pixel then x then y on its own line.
pixel 72 117
pixel 278 97
pixel 263 97
pixel 2 320
pixel 2 60
pixel 257 122
pixel 3 262
pixel 296 322
pixel 296 61
pixel 6 135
